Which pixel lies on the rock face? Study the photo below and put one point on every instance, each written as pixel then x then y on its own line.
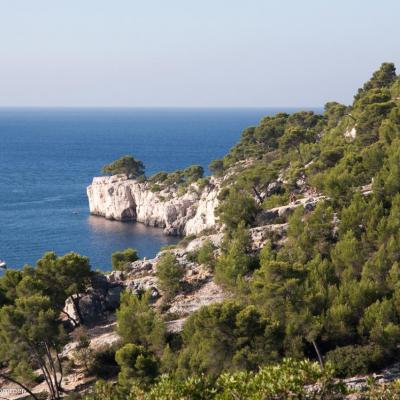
pixel 123 199
pixel 100 299
pixel 271 215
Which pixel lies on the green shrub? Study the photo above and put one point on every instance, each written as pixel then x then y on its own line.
pixel 276 200
pixel 103 364
pixel 205 254
pixel 120 260
pixel 387 391
pixel 73 396
pixel 203 182
pixel 192 256
pixel 155 188
pixel 126 165
pixel 216 167
pixel 355 360
pixel 186 240
pixel 139 323
pixel 234 262
pixel 224 337
pixel 169 247
pixel 169 274
pixel 136 365
pixel 237 207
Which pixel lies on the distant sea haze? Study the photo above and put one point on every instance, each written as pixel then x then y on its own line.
pixel 49 156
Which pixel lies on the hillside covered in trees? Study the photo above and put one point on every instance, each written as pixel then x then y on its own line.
pixel 317 299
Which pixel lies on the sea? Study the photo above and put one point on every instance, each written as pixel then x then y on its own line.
pixel 48 156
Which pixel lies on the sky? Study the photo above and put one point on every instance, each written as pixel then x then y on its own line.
pixel 186 53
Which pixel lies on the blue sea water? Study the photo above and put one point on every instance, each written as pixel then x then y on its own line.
pixel 49 156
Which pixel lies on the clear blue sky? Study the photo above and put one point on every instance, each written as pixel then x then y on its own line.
pixel 192 53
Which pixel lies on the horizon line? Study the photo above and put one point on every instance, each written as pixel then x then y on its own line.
pixel 154 107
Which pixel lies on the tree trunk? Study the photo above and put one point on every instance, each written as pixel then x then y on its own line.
pixel 45 371
pixel 22 386
pixel 61 370
pixel 73 320
pixel 77 307
pixel 53 369
pixel 259 197
pixel 318 353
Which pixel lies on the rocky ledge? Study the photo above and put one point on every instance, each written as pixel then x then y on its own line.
pixel 122 199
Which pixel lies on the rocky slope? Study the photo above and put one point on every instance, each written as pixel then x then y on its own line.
pixel 123 199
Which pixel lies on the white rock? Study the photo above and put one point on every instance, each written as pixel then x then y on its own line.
pixel 209 293
pixel 350 133
pixel 123 199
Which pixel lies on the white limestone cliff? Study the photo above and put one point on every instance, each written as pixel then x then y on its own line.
pixel 122 199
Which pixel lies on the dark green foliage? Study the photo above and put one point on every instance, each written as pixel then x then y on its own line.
pixel 234 262
pixel 381 78
pixel 390 127
pixel 186 240
pixel 205 255
pixel 291 379
pixel 8 286
pixel 120 260
pixel 56 277
pixel 139 323
pixel 292 139
pixel 255 180
pixel 216 167
pixel 271 139
pixel 103 364
pixel 31 337
pixel 193 173
pixel 181 178
pixel 136 365
pixel 61 277
pixel 370 121
pixel 334 112
pixel 355 360
pixel 73 396
pixel 237 207
pixel 126 165
pixel 169 274
pixel 330 157
pixel 32 333
pixel 334 282
pixel 226 336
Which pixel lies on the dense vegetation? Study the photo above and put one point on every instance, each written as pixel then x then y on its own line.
pixel 331 289
pixel 323 302
pixel 120 260
pixel 181 179
pixel 126 165
pixel 32 331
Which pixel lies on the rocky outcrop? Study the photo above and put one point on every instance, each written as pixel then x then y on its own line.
pixel 97 302
pixel 101 299
pixel 261 234
pixel 350 133
pixel 282 212
pixel 186 304
pixel 123 199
